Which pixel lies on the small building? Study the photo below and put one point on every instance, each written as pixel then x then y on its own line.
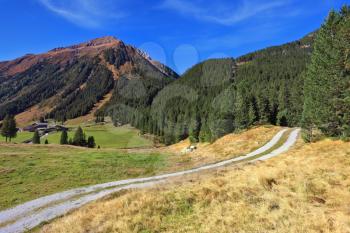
pixel 36 126
pixel 44 128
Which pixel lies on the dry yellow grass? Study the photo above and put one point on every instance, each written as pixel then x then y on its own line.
pixel 305 190
pixel 229 146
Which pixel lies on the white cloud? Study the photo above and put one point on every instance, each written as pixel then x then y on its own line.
pixel 86 13
pixel 224 12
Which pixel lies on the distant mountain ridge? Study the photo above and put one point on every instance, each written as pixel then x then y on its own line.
pixel 65 54
pixel 67 82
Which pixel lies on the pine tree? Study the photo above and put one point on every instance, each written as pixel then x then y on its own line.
pixel 327 78
pixel 64 138
pixel 265 111
pixel 241 110
pixel 46 142
pixel 36 138
pixel 343 100
pixel 12 128
pixel 194 130
pixel 91 142
pixel 5 127
pixel 205 134
pixel 9 128
pixel 252 115
pixel 79 138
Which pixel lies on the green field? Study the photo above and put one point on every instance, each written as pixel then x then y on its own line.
pixel 29 171
pixel 108 136
pixel 21 137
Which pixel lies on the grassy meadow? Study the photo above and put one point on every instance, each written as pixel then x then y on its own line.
pixel 108 136
pixel 31 171
pixel 305 190
pixel 21 137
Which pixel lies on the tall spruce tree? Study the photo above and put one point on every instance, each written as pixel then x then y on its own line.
pixel 36 137
pixel 91 142
pixel 79 137
pixel 64 138
pixel 5 127
pixel 327 78
pixel 9 128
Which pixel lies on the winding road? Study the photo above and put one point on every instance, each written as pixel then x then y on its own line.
pixel 30 214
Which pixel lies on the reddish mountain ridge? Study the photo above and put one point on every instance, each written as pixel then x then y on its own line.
pixel 76 77
pixel 63 55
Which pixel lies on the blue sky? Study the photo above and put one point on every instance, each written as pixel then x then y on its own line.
pixel 178 33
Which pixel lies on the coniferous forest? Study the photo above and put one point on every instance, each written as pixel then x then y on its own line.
pixel 219 96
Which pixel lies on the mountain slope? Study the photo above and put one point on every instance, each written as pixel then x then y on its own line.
pixel 219 96
pixel 69 81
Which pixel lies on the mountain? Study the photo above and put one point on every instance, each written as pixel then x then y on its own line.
pixel 68 82
pixel 219 96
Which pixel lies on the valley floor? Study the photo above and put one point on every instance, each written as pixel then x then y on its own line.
pixel 28 172
pixel 305 190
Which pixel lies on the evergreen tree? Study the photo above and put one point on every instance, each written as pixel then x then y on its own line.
pixel 241 110
pixel 5 127
pixel 91 142
pixel 64 138
pixel 252 115
pixel 265 111
pixel 12 128
pixel 36 137
pixel 46 142
pixel 205 134
pixel 79 138
pixel 9 129
pixel 194 130
pixel 327 78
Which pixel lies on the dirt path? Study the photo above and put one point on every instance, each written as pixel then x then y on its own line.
pixel 32 213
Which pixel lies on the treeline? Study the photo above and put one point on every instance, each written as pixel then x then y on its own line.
pixel 79 139
pixel 327 80
pixel 269 84
pixel 219 96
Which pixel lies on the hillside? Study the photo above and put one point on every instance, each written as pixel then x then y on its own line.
pixel 219 96
pixel 68 82
pixel 305 190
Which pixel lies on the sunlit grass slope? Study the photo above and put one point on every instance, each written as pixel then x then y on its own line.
pixel 304 190
pixel 109 136
pixel 21 137
pixel 29 171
